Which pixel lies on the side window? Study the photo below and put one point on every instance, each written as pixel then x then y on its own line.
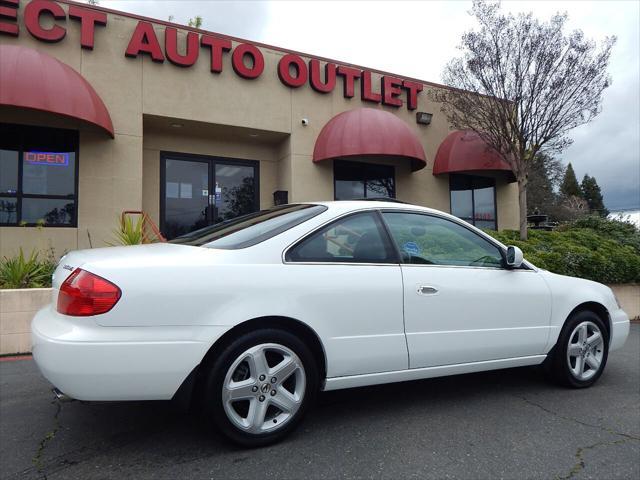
pixel 357 238
pixel 424 239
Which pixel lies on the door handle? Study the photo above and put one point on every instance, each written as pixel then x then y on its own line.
pixel 426 290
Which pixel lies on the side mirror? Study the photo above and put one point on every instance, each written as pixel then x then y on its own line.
pixel 514 257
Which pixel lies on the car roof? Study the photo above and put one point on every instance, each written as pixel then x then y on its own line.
pixel 347 205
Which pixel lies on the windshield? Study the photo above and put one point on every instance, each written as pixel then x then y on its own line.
pixel 250 229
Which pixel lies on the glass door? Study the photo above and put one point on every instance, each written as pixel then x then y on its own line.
pixel 197 191
pixel 186 197
pixel 235 191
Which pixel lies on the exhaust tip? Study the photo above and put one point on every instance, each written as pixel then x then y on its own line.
pixel 61 397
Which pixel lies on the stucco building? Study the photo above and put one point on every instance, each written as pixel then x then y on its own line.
pixel 104 111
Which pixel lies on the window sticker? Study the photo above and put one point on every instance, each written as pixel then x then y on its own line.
pixel 173 189
pixel 186 190
pixel 411 248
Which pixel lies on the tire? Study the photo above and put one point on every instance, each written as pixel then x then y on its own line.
pixel 574 363
pixel 259 388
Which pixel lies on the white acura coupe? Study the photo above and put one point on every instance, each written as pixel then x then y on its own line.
pixel 254 316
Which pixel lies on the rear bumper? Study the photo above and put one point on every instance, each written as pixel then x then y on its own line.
pixel 91 362
pixel 619 329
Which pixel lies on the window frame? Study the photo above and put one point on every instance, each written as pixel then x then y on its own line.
pixel 19 195
pixel 473 199
pixel 394 256
pixel 455 221
pixel 363 165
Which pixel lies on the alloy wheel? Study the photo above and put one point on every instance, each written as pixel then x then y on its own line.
pixel 585 351
pixel 264 388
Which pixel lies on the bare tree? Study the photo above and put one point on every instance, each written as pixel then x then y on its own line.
pixel 522 85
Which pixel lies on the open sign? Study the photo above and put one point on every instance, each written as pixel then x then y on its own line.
pixel 47 158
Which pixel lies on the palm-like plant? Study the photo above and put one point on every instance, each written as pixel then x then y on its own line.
pixel 22 272
pixel 129 233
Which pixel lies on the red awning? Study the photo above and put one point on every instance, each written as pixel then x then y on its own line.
pixel 463 151
pixel 368 131
pixel 32 79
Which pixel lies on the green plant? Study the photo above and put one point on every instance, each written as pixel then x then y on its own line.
pixel 22 272
pixel 129 233
pixel 595 248
pixel 625 233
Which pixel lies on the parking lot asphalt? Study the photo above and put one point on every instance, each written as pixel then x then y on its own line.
pixel 501 424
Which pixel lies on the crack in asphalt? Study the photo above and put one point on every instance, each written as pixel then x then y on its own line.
pixel 82 454
pixel 580 465
pixel 575 420
pixel 50 435
pixel 61 462
pixel 579 455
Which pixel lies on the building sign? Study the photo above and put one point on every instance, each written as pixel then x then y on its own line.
pixel 247 59
pixel 47 158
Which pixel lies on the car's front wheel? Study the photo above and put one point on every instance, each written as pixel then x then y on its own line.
pixel 260 387
pixel 581 353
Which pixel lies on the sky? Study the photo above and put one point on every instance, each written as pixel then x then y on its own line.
pixel 417 38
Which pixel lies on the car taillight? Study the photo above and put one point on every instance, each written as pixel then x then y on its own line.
pixel 83 294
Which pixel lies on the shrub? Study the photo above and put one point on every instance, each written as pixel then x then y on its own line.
pixel 606 251
pixel 21 272
pixel 129 233
pixel 620 231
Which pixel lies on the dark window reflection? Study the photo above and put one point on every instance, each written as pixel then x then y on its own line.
pixel 473 200
pixel 37 175
pixel 8 210
pixel 355 180
pixel 48 211
pixel 235 191
pixel 9 171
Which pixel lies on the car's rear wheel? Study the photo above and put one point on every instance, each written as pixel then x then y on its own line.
pixel 260 387
pixel 581 353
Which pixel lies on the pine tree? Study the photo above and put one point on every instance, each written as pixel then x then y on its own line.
pixel 570 186
pixel 545 174
pixel 592 194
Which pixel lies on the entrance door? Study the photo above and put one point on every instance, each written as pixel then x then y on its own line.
pixel 197 191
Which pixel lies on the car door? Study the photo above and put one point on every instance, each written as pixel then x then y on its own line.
pixel 460 304
pixel 353 294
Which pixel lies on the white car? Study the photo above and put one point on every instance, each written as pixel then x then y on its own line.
pixel 253 317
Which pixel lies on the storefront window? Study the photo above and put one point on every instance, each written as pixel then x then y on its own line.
pixel 355 180
pixel 473 199
pixel 38 170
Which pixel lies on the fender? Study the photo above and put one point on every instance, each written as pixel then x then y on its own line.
pixel 568 293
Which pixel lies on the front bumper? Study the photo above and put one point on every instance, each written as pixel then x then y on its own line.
pixel 91 362
pixel 619 329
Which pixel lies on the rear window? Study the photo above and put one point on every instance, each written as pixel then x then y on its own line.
pixel 249 230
